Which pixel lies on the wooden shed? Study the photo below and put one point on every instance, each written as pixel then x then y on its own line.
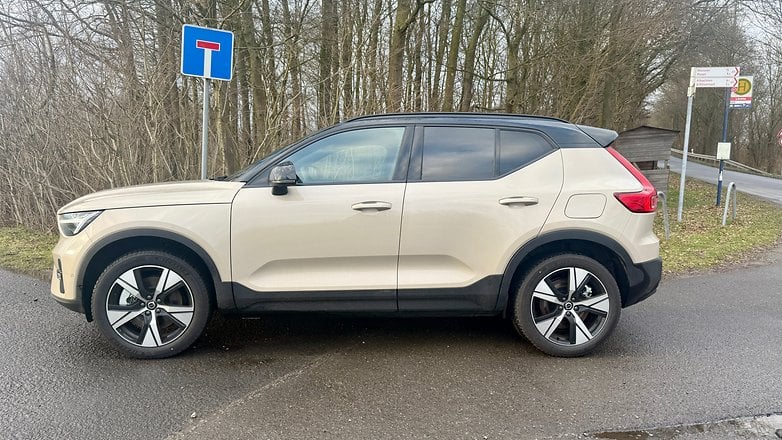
pixel 649 149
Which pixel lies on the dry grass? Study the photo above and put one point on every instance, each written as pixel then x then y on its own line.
pixel 700 241
pixel 26 251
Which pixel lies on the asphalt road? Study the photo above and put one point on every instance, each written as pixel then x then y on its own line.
pixel 766 187
pixel 703 348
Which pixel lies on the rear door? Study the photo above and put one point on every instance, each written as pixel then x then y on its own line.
pixel 474 196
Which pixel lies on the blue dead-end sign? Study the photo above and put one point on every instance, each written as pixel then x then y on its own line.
pixel 207 53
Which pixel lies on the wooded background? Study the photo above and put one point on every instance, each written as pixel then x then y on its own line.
pixel 91 96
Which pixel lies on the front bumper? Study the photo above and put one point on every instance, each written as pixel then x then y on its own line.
pixel 67 257
pixel 643 279
pixel 73 301
pixel 70 304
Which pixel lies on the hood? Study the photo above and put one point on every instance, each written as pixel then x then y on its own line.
pixel 158 194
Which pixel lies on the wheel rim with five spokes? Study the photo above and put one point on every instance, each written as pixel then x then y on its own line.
pixel 150 306
pixel 570 306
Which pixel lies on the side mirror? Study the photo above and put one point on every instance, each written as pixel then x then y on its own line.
pixel 282 176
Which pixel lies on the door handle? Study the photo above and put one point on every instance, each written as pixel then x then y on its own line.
pixel 520 200
pixel 373 205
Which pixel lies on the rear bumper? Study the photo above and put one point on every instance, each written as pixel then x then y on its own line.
pixel 643 279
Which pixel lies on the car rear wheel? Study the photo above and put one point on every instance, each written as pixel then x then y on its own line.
pixel 151 304
pixel 567 305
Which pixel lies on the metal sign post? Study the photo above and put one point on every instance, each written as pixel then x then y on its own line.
pixel 701 77
pixel 724 140
pixel 740 97
pixel 690 96
pixel 205 129
pixel 208 54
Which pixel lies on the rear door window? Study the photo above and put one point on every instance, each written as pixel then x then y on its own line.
pixel 473 153
pixel 457 153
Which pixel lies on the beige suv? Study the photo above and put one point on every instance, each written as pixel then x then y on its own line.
pixel 533 218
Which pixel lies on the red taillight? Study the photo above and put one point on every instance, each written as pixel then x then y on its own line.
pixel 641 201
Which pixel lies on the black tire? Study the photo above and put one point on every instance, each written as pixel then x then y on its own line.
pixel 174 311
pixel 563 323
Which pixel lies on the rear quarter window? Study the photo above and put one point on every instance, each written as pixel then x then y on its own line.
pixel 519 148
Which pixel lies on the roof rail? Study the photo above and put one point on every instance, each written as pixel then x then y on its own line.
pixel 402 114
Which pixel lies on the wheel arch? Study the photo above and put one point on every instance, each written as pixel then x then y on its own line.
pixel 597 246
pixel 113 246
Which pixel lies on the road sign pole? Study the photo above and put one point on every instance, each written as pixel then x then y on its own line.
pixel 208 54
pixel 690 96
pixel 724 139
pixel 205 129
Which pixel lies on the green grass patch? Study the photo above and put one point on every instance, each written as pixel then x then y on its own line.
pixel 700 241
pixel 26 251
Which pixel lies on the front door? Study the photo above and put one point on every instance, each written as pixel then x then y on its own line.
pixel 331 242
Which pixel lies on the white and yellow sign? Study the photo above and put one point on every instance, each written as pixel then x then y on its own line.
pixel 741 95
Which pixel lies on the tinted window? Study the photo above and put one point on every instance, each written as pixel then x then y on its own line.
pixel 518 148
pixel 452 153
pixel 358 156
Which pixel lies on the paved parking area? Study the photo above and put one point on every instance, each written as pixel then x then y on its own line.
pixel 703 348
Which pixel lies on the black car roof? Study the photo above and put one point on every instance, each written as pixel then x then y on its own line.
pixel 564 133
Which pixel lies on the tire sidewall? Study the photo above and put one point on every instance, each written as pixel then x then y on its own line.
pixel 189 274
pixel 522 314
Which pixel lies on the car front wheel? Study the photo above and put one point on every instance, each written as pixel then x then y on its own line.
pixel 567 305
pixel 151 304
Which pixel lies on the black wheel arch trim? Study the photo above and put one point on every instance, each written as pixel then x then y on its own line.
pixel 223 291
pixel 641 281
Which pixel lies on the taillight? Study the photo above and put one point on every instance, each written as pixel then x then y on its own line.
pixel 640 201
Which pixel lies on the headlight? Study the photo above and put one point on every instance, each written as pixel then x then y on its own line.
pixel 75 222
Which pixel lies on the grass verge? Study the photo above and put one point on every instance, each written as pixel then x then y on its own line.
pixel 700 241
pixel 25 251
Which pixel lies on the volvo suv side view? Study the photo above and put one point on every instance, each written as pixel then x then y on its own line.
pixel 528 217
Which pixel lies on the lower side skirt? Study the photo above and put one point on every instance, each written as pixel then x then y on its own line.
pixel 479 298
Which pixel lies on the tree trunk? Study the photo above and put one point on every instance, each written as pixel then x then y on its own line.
pixel 469 59
pixel 328 51
pixel 453 56
pixel 346 66
pixel 437 65
pixel 294 70
pixel 396 53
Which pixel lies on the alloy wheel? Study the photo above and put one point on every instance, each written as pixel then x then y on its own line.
pixel 149 306
pixel 570 306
